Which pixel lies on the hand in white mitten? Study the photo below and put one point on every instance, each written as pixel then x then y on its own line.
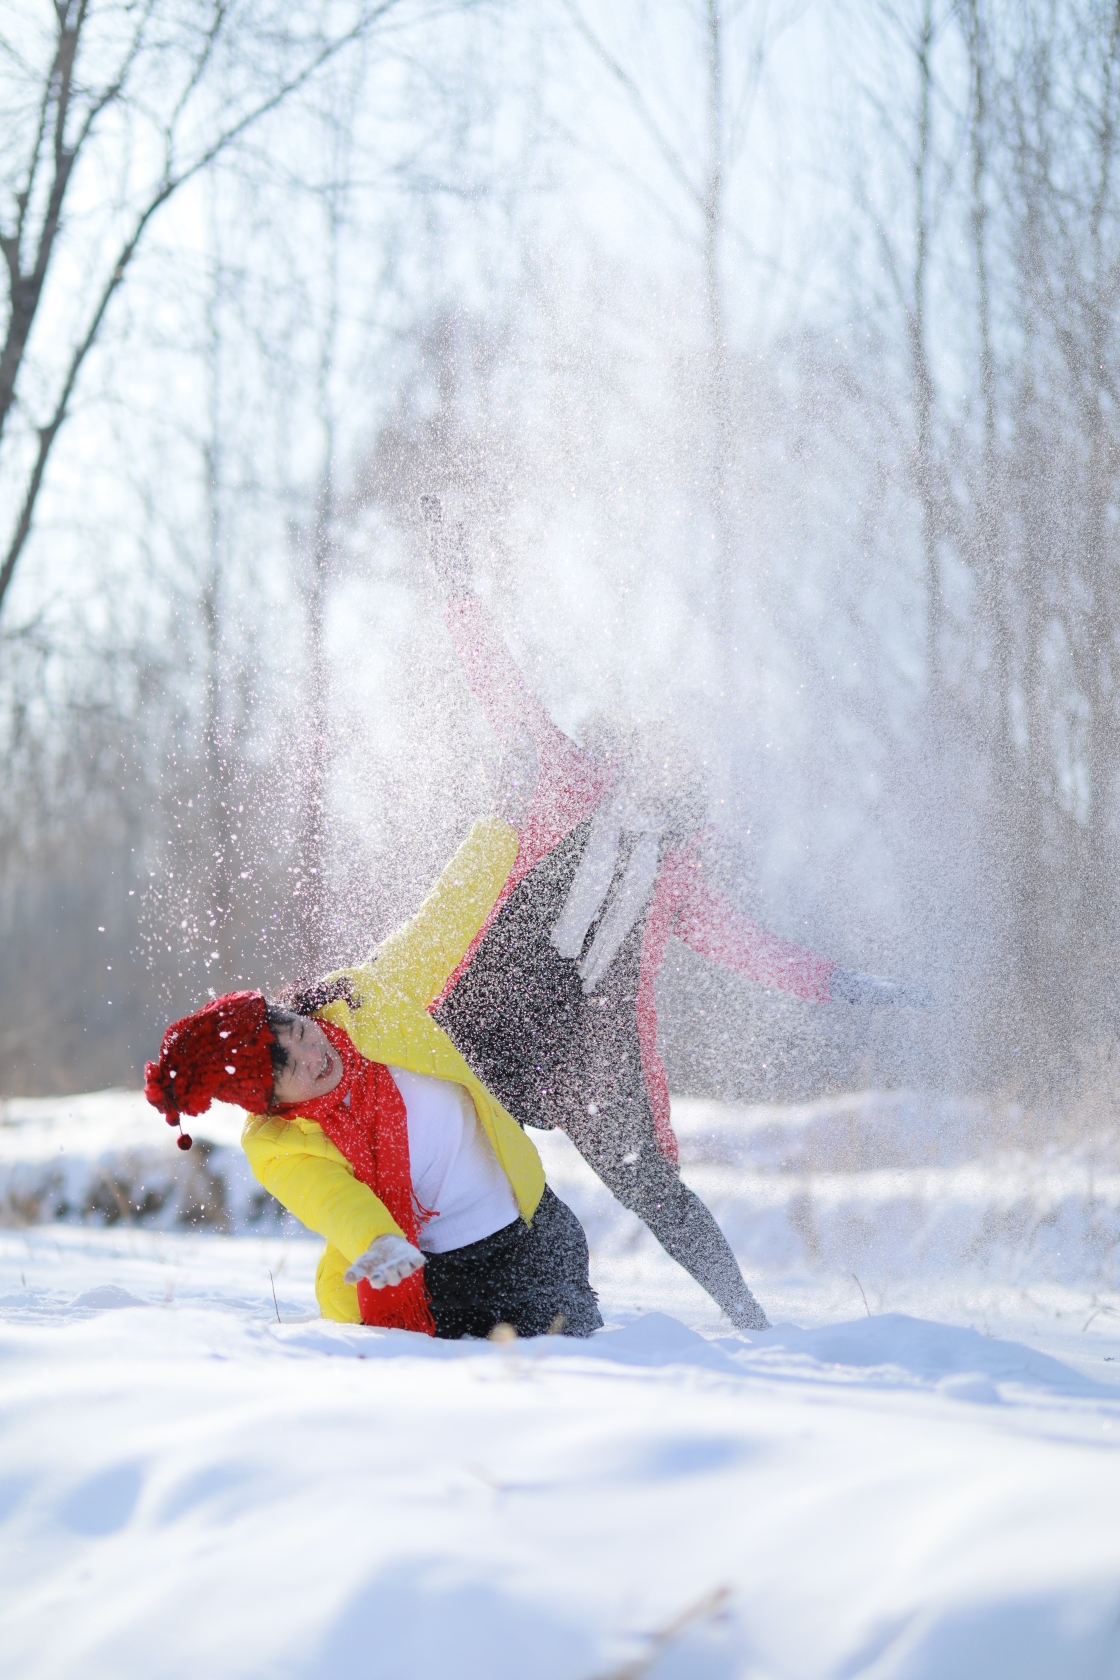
pixel 871 990
pixel 387 1260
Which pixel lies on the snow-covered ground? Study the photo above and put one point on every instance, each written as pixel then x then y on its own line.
pixel 196 1478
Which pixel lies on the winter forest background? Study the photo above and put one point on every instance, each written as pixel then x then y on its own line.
pixel 770 353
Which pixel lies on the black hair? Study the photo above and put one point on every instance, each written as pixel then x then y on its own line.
pixel 302 998
pixel 279 1055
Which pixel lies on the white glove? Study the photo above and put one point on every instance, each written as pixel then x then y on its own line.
pixel 387 1260
pixel 870 990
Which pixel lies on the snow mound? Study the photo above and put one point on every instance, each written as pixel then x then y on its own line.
pixel 876 1186
pixel 191 1486
pixel 106 1158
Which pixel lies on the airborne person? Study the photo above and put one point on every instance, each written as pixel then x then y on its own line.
pixel 387 1101
pixel 553 1004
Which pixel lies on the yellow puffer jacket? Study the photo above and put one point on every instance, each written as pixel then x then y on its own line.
pixel 295 1160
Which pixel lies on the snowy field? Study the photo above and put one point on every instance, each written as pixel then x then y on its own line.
pixel 914 1476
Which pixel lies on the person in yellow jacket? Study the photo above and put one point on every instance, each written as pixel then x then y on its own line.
pixel 369 1126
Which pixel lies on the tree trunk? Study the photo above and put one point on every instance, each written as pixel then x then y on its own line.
pixel 721 611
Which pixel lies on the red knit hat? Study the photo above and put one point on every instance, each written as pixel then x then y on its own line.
pixel 222 1051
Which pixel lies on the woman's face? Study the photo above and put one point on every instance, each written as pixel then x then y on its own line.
pixel 314 1066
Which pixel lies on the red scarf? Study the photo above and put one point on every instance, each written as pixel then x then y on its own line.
pixel 372 1132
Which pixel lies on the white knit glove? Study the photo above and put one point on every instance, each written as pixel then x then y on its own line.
pixel 871 989
pixel 387 1260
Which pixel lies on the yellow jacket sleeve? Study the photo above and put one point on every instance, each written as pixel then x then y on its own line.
pixel 337 1299
pixel 417 959
pixel 300 1166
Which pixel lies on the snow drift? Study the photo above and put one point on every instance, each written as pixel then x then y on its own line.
pixel 886 1185
pixel 913 1476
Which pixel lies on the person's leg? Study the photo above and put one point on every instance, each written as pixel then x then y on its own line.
pixel 534 1278
pixel 601 1101
pixel 554 1057
pixel 547 1283
pixel 625 1156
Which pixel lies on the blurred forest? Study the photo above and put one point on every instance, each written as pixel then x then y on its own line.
pixel 769 353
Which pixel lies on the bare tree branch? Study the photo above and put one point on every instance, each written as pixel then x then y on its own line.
pixel 26 289
pixel 173 180
pixel 637 99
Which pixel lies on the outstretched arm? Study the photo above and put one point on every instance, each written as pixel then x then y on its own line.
pixel 566 783
pixel 315 1181
pixel 709 923
pixel 418 957
pixel 510 705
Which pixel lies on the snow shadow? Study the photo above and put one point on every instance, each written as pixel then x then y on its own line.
pixel 430 1619
pixel 1074 1634
pixel 426 1619
pixel 103 1503
pixel 651 1341
pixel 894 1348
pixel 887 1352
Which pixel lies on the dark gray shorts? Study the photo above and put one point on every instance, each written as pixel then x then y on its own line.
pixel 530 1276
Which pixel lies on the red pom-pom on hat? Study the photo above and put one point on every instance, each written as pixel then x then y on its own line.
pixel 222 1052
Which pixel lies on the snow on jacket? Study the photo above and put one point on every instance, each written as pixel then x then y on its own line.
pixel 296 1161
pixel 571 788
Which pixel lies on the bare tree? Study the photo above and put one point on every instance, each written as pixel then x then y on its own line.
pixel 735 42
pixel 909 92
pixel 1010 147
pixel 201 705
pixel 318 545
pixel 217 797
pixel 99 90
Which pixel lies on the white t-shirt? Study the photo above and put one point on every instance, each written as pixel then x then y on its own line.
pixel 454 1169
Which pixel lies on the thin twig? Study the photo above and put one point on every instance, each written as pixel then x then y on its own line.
pixel 272 1281
pixel 487 1477
pixel 117 1194
pixel 859 1286
pixel 661 1638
